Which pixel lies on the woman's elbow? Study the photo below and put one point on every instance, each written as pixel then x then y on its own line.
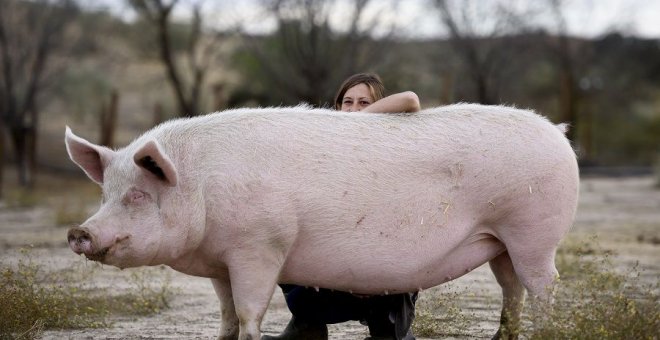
pixel 412 102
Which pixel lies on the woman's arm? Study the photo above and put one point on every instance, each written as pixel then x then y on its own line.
pixel 396 103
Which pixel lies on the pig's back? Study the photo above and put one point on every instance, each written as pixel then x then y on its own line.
pixel 468 156
pixel 481 144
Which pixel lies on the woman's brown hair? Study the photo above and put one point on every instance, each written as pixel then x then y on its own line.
pixel 372 81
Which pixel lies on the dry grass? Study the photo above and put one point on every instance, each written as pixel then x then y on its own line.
pixel 593 301
pixel 35 300
pixel 441 315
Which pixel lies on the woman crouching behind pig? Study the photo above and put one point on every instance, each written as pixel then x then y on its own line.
pixel 387 316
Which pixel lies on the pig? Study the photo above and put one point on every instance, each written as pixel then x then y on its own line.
pixel 358 202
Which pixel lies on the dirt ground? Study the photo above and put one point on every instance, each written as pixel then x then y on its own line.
pixel 623 212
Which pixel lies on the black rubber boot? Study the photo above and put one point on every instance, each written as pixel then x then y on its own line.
pixel 391 317
pixel 299 330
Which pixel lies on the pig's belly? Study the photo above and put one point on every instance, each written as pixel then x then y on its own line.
pixel 386 267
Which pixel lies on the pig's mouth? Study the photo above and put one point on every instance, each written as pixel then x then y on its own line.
pixel 99 255
pixel 83 242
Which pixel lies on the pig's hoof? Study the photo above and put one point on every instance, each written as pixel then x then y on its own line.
pixel 228 337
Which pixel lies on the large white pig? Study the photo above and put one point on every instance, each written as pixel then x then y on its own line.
pixel 359 202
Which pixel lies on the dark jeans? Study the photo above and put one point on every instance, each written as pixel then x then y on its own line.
pixel 386 315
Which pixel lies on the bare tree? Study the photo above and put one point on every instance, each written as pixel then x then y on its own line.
pixel 186 78
pixel 306 58
pixel 108 119
pixel 30 33
pixel 478 33
pixel 565 57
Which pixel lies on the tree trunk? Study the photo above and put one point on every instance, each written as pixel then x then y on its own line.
pixel 18 138
pixel 24 138
pixel 482 89
pixel 2 159
pixel 109 120
pixel 159 114
pixel 31 156
pixel 219 100
pixel 586 135
pixel 170 67
pixel 567 102
pixel 446 91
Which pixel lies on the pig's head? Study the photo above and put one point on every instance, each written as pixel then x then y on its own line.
pixel 130 228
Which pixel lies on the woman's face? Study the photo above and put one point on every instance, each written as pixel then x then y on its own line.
pixel 356 98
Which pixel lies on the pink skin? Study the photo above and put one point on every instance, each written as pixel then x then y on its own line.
pixel 127 230
pixel 96 243
pixel 360 202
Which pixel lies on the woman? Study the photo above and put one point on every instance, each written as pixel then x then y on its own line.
pixel 365 92
pixel 388 316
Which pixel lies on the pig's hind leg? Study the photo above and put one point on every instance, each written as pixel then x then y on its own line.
pixel 229 319
pixel 531 245
pixel 532 252
pixel 535 268
pixel 513 296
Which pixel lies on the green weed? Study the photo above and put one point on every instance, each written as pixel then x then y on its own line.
pixel 35 300
pixel 425 324
pixel 143 299
pixel 575 258
pixel 593 301
pixel 440 315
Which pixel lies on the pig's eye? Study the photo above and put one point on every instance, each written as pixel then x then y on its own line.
pixel 135 197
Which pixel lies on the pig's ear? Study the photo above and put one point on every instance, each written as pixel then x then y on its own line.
pixel 92 158
pixel 153 160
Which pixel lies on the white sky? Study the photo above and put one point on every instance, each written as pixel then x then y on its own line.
pixel 588 18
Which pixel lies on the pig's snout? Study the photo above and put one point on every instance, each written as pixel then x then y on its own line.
pixel 80 241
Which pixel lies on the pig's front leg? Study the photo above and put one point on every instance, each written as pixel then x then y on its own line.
pixel 229 330
pixel 253 280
